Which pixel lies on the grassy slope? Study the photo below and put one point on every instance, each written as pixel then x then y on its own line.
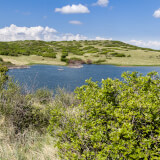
pixel 138 56
pixel 32 59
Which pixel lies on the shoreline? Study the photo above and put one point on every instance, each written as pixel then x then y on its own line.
pixel 75 66
pixel 19 67
pixel 23 62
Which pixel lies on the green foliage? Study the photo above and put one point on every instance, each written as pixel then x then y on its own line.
pixel 50 55
pixel 114 120
pixel 3 76
pixel 64 55
pixel 67 49
pixel 43 96
pixel 99 61
pixel 114 54
pixel 24 110
pixel 105 52
pixel 1 60
pixel 18 109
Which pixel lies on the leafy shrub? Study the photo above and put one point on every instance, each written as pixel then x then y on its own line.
pixel 114 54
pixel 3 76
pixel 19 108
pixel 99 61
pixel 20 111
pixel 50 55
pixel 117 120
pixel 43 96
pixel 13 54
pixel 1 60
pixel 105 52
pixel 64 55
pixel 64 59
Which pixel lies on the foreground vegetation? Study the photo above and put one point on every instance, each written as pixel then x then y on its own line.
pixel 90 52
pixel 109 120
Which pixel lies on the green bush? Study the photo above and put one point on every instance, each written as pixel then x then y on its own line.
pixel 20 111
pixel 50 55
pixel 114 120
pixel 1 60
pixel 3 76
pixel 114 54
pixel 23 110
pixel 64 59
pixel 43 96
pixel 99 61
pixel 64 56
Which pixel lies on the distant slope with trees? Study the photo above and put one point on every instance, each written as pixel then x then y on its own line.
pixel 89 52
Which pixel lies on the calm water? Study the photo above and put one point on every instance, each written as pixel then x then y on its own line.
pixel 39 76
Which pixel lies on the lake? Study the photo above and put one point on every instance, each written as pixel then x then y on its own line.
pixel 40 76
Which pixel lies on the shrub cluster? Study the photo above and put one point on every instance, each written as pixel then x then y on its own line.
pixel 114 54
pixel 23 110
pixel 109 120
pixel 64 56
pixel 114 120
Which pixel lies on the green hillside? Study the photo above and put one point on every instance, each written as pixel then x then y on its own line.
pixel 60 53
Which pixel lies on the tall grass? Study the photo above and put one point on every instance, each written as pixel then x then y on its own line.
pixel 24 118
pixel 25 146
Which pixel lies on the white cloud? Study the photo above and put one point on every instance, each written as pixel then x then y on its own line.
pixel 73 9
pixel 14 33
pixel 75 22
pixel 102 3
pixel 147 44
pixel 157 13
pixel 102 38
pixel 70 37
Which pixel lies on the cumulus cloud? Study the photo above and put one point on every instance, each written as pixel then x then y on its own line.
pixel 147 44
pixel 70 37
pixel 157 13
pixel 73 9
pixel 75 22
pixel 102 38
pixel 14 33
pixel 102 3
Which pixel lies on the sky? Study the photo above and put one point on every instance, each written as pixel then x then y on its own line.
pixel 132 21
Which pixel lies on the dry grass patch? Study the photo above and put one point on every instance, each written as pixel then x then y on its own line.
pixel 26 146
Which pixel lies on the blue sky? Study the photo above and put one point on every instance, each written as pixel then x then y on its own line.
pixel 132 21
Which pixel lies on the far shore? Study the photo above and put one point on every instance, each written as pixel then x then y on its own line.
pixel 23 62
pixel 75 66
pixel 19 67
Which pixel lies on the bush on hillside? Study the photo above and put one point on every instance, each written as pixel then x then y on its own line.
pixel 1 60
pixel 114 120
pixel 114 54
